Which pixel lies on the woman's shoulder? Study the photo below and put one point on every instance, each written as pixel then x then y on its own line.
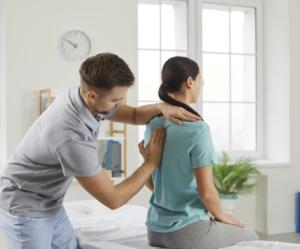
pixel 156 121
pixel 196 126
pixel 188 126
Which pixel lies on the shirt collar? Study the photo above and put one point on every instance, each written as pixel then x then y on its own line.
pixel 86 116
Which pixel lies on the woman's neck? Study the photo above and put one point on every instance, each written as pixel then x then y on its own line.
pixel 181 98
pixel 178 97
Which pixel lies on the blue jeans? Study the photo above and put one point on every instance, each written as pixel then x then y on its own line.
pixel 53 232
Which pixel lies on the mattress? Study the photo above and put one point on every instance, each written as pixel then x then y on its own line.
pixel 98 227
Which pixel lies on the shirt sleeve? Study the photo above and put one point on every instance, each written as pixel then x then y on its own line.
pixel 112 113
pixel 202 151
pixel 78 157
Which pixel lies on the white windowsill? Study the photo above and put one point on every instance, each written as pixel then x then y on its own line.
pixel 263 163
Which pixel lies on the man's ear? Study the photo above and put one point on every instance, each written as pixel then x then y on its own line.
pixel 91 95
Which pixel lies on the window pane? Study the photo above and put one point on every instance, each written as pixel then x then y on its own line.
pixel 217 117
pixel 148 24
pixel 242 25
pixel 165 55
pixel 243 130
pixel 243 78
pixel 174 25
pixel 215 27
pixel 216 75
pixel 148 74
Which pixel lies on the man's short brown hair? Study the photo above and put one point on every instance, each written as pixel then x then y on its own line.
pixel 105 71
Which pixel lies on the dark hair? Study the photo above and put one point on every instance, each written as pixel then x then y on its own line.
pixel 105 71
pixel 175 71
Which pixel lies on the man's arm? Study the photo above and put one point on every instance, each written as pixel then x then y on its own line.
pixel 143 114
pixel 150 184
pixel 101 187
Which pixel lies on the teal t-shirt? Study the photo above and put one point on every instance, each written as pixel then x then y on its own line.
pixel 175 201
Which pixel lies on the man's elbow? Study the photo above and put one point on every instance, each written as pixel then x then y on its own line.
pixel 113 205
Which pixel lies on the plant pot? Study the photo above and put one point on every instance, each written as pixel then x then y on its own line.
pixel 228 202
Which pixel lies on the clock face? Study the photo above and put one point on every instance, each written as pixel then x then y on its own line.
pixel 74 45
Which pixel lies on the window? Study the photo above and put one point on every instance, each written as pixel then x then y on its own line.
pixel 162 33
pixel 231 103
pixel 226 36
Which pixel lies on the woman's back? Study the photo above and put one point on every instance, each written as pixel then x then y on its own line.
pixel 175 202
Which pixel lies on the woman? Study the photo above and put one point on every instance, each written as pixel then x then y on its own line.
pixel 182 185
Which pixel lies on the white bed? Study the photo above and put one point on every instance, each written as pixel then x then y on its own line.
pixel 98 227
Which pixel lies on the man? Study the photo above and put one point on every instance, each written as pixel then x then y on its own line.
pixel 60 145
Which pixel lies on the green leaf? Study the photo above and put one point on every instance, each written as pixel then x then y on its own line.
pixel 231 177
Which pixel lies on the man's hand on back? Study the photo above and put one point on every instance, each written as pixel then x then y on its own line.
pixel 153 152
pixel 101 187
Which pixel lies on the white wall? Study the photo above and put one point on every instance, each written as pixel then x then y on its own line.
pixel 33 28
pixel 282 57
pixel 3 149
pixel 277 79
pixel 274 207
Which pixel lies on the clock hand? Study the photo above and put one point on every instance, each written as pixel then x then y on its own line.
pixel 72 44
pixel 78 38
pixel 70 51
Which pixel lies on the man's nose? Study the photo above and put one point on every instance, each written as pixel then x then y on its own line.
pixel 121 102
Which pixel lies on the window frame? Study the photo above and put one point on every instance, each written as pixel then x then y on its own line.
pixel 191 48
pixel 257 4
pixel 191 33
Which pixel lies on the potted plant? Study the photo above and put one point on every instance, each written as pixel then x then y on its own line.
pixel 230 179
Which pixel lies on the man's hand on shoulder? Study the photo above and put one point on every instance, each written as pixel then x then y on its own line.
pixel 176 114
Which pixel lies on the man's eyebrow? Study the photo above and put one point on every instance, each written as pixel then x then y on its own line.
pixel 119 98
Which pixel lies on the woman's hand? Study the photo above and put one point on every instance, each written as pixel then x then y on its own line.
pixel 228 219
pixel 211 216
pixel 154 150
pixel 176 114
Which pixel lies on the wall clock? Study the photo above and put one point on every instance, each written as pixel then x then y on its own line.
pixel 74 45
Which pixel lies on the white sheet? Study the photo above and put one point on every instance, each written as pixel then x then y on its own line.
pixel 98 227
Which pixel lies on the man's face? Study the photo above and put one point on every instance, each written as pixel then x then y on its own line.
pixel 111 100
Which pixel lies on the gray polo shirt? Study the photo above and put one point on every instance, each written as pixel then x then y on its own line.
pixel 58 146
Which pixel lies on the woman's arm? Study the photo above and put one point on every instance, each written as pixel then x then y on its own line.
pixel 209 196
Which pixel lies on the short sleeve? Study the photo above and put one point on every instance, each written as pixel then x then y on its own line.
pixel 78 157
pixel 112 113
pixel 202 150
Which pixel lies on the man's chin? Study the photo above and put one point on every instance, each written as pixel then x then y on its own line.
pixel 106 112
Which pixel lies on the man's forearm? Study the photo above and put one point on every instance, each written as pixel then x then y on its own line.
pixel 149 184
pixel 144 114
pixel 124 191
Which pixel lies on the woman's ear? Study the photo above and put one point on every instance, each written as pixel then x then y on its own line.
pixel 189 82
